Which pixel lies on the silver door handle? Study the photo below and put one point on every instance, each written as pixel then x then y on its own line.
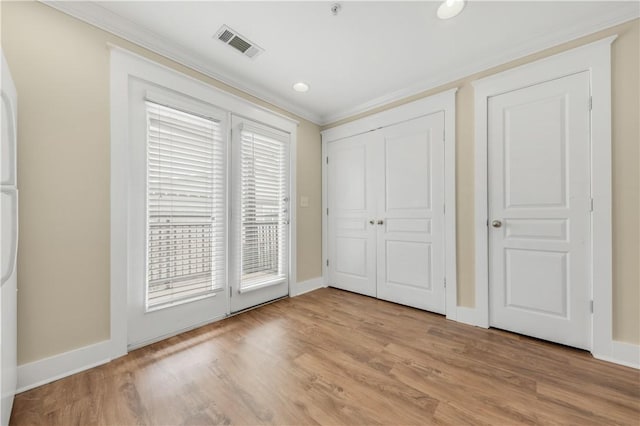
pixel 496 224
pixel 380 222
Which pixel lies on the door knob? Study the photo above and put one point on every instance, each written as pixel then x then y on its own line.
pixel 496 224
pixel 380 222
pixel 372 222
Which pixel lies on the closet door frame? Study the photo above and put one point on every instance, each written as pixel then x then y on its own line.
pixel 444 101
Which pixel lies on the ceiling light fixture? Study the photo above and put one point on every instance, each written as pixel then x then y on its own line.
pixel 301 87
pixel 450 8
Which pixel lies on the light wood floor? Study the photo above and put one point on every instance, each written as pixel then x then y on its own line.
pixel 332 357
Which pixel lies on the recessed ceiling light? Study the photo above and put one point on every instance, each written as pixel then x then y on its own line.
pixel 450 8
pixel 301 87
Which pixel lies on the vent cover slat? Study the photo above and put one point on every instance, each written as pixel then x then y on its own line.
pixel 239 44
pixel 226 36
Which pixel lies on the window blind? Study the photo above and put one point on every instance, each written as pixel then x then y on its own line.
pixel 185 206
pixel 264 204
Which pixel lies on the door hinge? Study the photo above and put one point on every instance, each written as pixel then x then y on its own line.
pixel 327 262
pixel 444 209
pixel 327 160
pixel 445 283
pixel 591 306
pixel 590 103
pixel 230 292
pixel 591 204
pixel 327 211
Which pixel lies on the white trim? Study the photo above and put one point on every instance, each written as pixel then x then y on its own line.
pixel 47 370
pixel 308 286
pixel 124 67
pixel 596 59
pixel 622 353
pixel 444 101
pixel 530 47
pixel 104 19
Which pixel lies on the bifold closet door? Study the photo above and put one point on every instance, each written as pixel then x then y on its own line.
pixel 351 209
pixel 410 205
pixel 386 213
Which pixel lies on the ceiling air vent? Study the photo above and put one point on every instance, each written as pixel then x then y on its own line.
pixel 238 42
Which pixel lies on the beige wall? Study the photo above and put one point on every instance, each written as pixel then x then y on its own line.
pixel 61 69
pixel 626 178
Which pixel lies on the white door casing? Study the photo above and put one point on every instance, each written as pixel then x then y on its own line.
pixel 127 68
pixel 410 203
pixel 386 213
pixel 595 58
pixel 539 209
pixel 352 213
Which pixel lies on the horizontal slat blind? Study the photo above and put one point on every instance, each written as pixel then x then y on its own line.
pixel 264 205
pixel 185 206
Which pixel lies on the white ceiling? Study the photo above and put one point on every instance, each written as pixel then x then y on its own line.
pixel 371 53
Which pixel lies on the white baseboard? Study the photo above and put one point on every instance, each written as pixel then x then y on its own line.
pixel 50 369
pixel 622 353
pixel 47 370
pixel 470 316
pixel 303 287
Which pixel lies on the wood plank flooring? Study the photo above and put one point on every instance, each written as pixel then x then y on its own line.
pixel 332 357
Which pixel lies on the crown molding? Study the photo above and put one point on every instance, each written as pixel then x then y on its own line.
pixel 628 12
pixel 113 23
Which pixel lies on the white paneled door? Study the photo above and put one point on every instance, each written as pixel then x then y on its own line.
pixel 386 213
pixel 352 190
pixel 539 210
pixel 410 204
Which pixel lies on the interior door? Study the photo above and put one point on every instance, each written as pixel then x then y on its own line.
pixel 352 212
pixel 539 209
pixel 410 206
pixel 260 214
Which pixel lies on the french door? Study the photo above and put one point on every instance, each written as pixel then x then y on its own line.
pixel 539 209
pixel 179 251
pixel 212 229
pixel 386 213
pixel 260 214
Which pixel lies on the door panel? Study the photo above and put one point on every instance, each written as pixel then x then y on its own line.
pixel 410 242
pixel 351 190
pixel 539 191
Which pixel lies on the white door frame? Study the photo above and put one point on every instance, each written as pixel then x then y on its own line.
pixel 124 67
pixel 596 59
pixel 444 101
